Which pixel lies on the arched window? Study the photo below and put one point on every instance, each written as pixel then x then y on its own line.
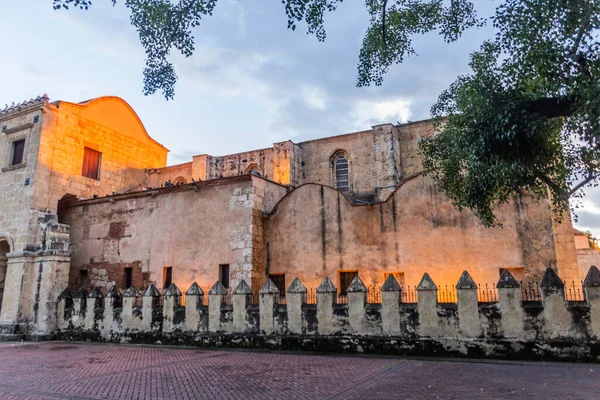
pixel 180 181
pixel 341 170
pixel 253 169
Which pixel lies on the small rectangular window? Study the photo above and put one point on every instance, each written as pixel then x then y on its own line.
pixel 398 275
pixel 224 275
pixel 279 281
pixel 346 278
pixel 91 164
pixel 83 277
pixel 167 276
pixel 18 149
pixel 128 277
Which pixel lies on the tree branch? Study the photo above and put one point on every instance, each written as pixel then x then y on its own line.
pixel 383 26
pixel 581 184
pixel 582 28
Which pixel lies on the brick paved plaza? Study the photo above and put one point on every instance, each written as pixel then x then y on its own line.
pixel 58 370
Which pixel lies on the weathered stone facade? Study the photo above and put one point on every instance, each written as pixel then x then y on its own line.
pixel 353 203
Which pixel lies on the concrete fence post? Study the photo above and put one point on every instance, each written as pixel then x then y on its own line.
pixel 557 318
pixel 509 302
pixel 194 299
pixel 325 300
pixel 112 301
pixel 591 286
pixel 468 306
pixel 172 301
pixel 296 297
pixel 267 302
pixel 357 300
pixel 64 309
pixel 241 297
pixel 79 307
pixel 131 316
pixel 150 301
pixel 215 300
pixel 427 307
pixel 390 306
pixel 94 302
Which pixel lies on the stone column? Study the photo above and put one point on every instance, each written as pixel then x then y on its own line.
pixel 150 302
pixel 131 319
pixel 172 301
pixel 325 300
pixel 557 318
pixel 79 307
pixel 509 302
pixel 427 307
pixel 390 306
pixel 241 296
pixel 94 301
pixel 357 299
pixel 52 278
pixel 267 294
pixel 15 269
pixel 215 300
pixel 296 297
pixel 194 299
pixel 112 301
pixel 591 286
pixel 64 298
pixel 468 306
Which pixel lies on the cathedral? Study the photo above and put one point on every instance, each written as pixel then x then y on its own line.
pixel 87 199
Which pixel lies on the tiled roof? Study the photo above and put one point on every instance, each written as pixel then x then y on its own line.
pixel 578 232
pixel 19 106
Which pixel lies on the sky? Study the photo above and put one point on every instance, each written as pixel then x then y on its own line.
pixel 250 83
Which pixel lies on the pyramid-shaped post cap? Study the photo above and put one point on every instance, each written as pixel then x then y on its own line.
pixel 269 288
pixel 507 280
pixel 592 279
pixel 326 286
pixel 391 284
pixel 96 293
pixel 195 290
pixel 466 282
pixel 66 294
pixel 296 287
pixel 243 288
pixel 113 292
pixel 357 286
pixel 426 283
pixel 551 280
pixel 132 292
pixel 217 289
pixel 80 293
pixel 172 290
pixel 152 291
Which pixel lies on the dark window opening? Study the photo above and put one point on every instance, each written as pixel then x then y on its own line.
pixel 342 182
pixel 91 164
pixel 128 277
pixel 224 275
pixel 279 281
pixel 345 281
pixel 167 276
pixel 83 276
pixel 18 149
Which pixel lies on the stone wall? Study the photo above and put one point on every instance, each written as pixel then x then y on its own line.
pixel 192 228
pixel 106 125
pixel 316 232
pixel 551 328
pixel 586 258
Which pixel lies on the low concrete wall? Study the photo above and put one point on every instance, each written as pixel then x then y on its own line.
pixel 550 329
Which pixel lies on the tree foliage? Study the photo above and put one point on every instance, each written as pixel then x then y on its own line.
pixel 526 120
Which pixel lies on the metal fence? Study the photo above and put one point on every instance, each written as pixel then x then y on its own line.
pixel 574 292
pixel 487 293
pixel 446 294
pixel 530 292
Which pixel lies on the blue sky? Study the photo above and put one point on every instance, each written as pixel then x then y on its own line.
pixel 250 83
